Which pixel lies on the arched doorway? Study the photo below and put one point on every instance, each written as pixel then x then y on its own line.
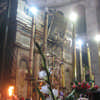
pixel 21 83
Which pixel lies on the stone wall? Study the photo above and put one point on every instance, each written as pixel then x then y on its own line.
pixel 92 29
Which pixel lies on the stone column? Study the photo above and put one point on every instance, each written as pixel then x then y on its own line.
pixel 45 33
pixel 92 30
pixel 31 56
pixel 32 45
pixel 36 74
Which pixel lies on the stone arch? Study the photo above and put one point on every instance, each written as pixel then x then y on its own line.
pixel 81 22
pixel 68 76
pixel 21 75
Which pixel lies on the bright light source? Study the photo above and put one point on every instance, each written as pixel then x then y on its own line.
pixel 79 43
pixel 97 38
pixel 73 17
pixel 11 90
pixel 87 44
pixel 34 10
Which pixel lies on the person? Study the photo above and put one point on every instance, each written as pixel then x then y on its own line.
pixel 14 97
pixel 30 98
pixel 0 96
pixel 22 98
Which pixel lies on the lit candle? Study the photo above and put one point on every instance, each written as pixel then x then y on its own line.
pixel 63 76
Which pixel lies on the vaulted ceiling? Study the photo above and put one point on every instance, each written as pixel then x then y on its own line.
pixel 53 3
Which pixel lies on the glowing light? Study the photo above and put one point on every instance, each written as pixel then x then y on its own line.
pixel 11 90
pixel 79 43
pixel 87 45
pixel 97 38
pixel 73 17
pixel 34 10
